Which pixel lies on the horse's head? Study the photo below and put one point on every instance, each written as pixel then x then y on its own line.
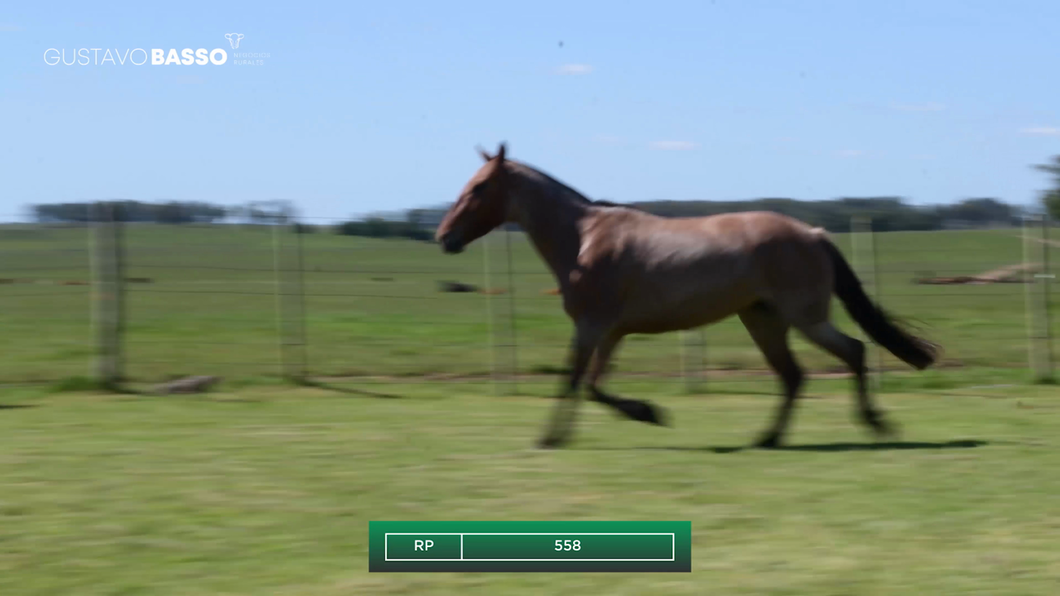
pixel 481 206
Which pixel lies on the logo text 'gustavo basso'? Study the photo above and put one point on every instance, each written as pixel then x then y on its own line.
pixel 134 56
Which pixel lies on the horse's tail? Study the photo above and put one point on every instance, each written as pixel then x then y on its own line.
pixel 914 351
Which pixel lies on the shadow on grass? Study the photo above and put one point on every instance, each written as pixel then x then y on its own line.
pixel 825 447
pixel 128 394
pixel 16 406
pixel 348 390
pixel 211 398
pixel 845 447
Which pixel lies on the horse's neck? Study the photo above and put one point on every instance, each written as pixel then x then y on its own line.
pixel 552 223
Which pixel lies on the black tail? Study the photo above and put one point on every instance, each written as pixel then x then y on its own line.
pixel 914 351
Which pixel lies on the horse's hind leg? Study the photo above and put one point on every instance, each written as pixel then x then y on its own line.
pixel 852 352
pixel 586 339
pixel 770 333
pixel 643 411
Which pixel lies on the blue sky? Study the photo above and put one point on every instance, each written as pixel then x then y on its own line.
pixel 375 106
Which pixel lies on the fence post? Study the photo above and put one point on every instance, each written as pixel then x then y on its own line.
pixel 1039 352
pixel 1046 276
pixel 861 230
pixel 92 233
pixel 702 382
pixel 682 342
pixel 290 304
pixel 692 364
pixel 300 309
pixel 877 287
pixel 511 302
pixel 1028 297
pixel 289 293
pixel 108 288
pixel 277 286
pixel 491 334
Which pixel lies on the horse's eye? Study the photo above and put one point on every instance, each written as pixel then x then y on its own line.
pixel 478 188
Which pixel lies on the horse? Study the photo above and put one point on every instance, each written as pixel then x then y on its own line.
pixel 623 271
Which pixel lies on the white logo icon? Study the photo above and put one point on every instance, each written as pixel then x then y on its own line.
pixel 234 38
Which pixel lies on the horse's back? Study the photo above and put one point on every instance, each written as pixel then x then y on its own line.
pixel 703 269
pixel 638 239
pixel 713 235
pixel 756 226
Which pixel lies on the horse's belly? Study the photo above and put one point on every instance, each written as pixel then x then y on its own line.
pixel 662 313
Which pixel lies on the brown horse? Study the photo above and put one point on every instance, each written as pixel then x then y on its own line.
pixel 624 271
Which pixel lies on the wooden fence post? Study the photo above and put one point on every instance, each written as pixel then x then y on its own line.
pixel 298 294
pixel 108 293
pixel 1036 293
pixel 289 288
pixel 490 327
pixel 511 315
pixel 693 357
pixel 1045 278
pixel 862 240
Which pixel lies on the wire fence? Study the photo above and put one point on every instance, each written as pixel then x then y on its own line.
pixel 146 302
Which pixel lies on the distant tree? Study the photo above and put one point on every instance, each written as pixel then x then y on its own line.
pixel 205 212
pixel 133 211
pixel 979 211
pixel 1051 202
pixel 888 213
pixel 59 212
pixel 1051 197
pixel 377 227
pixel 172 213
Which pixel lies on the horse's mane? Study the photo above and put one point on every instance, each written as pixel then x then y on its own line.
pixel 563 188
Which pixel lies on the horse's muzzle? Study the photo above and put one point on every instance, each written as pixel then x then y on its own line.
pixel 450 245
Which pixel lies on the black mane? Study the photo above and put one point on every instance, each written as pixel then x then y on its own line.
pixel 578 195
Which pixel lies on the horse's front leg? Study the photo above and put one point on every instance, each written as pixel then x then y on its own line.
pixel 586 338
pixel 634 409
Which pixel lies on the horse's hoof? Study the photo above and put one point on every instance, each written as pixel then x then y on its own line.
pixel 551 442
pixel 885 430
pixel 649 413
pixel 770 441
pixel 881 427
pixel 657 415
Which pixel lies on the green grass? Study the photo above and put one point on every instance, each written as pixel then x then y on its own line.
pixel 270 490
pixel 264 488
pixel 372 307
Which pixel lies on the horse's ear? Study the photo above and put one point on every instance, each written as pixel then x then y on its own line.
pixel 482 152
pixel 500 152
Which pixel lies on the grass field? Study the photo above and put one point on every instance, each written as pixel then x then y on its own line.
pixel 372 306
pixel 269 490
pixel 264 488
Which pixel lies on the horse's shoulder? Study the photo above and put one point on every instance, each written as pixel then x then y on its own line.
pixel 602 234
pixel 819 232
